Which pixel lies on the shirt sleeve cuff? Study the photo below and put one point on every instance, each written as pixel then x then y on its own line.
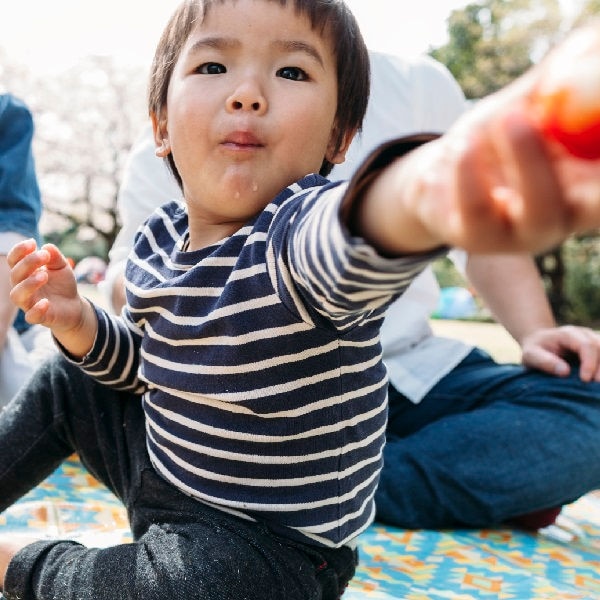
pixel 22 572
pixel 375 162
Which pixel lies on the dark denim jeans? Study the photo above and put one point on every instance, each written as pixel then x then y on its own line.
pixel 183 549
pixel 489 443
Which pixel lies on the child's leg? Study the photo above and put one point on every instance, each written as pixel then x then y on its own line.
pixel 59 411
pixel 183 549
pixel 191 551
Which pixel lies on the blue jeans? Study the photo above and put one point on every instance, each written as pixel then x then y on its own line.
pixel 489 443
pixel 182 548
pixel 20 200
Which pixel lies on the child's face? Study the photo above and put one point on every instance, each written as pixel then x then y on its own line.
pixel 250 108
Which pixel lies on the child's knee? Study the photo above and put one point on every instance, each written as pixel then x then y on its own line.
pixel 197 563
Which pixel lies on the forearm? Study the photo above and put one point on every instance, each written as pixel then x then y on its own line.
pixel 78 341
pixel 399 232
pixel 511 287
pixel 382 200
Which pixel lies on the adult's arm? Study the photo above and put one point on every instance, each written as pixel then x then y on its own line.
pixel 511 287
pixel 20 202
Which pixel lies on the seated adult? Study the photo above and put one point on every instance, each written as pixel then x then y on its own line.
pixel 470 442
pixel 22 347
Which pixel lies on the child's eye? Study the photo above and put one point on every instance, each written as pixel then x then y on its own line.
pixel 294 73
pixel 211 68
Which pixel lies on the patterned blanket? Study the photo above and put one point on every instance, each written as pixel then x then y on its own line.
pixel 559 563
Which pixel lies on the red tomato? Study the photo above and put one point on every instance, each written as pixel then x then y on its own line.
pixel 566 104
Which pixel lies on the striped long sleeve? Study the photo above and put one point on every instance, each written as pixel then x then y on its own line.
pixel 260 362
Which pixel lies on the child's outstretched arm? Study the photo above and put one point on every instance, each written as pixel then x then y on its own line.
pixel 463 191
pixel 44 287
pixel 495 182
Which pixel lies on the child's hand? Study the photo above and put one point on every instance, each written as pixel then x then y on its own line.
pixel 45 288
pixel 535 148
pixel 498 188
pixel 496 182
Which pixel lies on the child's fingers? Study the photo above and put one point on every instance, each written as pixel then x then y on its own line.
pixel 511 196
pixel 57 259
pixel 25 264
pixel 28 274
pixel 19 251
pixel 36 315
pixel 24 293
pixel 480 218
pixel 542 211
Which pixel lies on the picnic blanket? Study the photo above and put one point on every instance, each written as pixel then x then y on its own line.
pixel 559 563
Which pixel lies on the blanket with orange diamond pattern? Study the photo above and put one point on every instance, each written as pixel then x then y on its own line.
pixel 559 563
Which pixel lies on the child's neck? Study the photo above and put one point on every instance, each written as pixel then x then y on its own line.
pixel 206 235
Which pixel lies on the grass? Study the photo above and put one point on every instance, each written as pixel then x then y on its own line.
pixel 489 336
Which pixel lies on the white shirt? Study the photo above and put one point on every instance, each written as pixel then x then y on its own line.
pixel 407 96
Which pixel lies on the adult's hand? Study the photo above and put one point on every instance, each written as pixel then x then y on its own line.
pixel 548 350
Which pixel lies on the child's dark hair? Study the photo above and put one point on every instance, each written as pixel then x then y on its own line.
pixel 329 17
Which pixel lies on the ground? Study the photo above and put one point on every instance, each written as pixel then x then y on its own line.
pixel 489 336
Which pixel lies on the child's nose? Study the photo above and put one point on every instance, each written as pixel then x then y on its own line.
pixel 249 97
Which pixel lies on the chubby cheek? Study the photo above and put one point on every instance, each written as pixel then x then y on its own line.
pixel 189 149
pixel 312 137
pixel 188 115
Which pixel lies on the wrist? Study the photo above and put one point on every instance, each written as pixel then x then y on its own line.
pixel 78 340
pixel 532 332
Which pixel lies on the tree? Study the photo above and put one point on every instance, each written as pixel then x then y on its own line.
pixel 494 41
pixel 14 77
pixel 491 43
pixel 90 116
pixel 590 9
pixel 86 120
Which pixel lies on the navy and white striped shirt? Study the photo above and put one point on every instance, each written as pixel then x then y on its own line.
pixel 260 362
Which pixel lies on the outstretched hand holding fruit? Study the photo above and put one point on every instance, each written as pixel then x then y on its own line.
pixel 45 288
pixel 505 177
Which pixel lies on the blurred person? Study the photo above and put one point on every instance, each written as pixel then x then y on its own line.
pixel 22 347
pixel 444 393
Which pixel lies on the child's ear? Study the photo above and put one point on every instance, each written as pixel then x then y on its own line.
pixel 161 134
pixel 337 155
